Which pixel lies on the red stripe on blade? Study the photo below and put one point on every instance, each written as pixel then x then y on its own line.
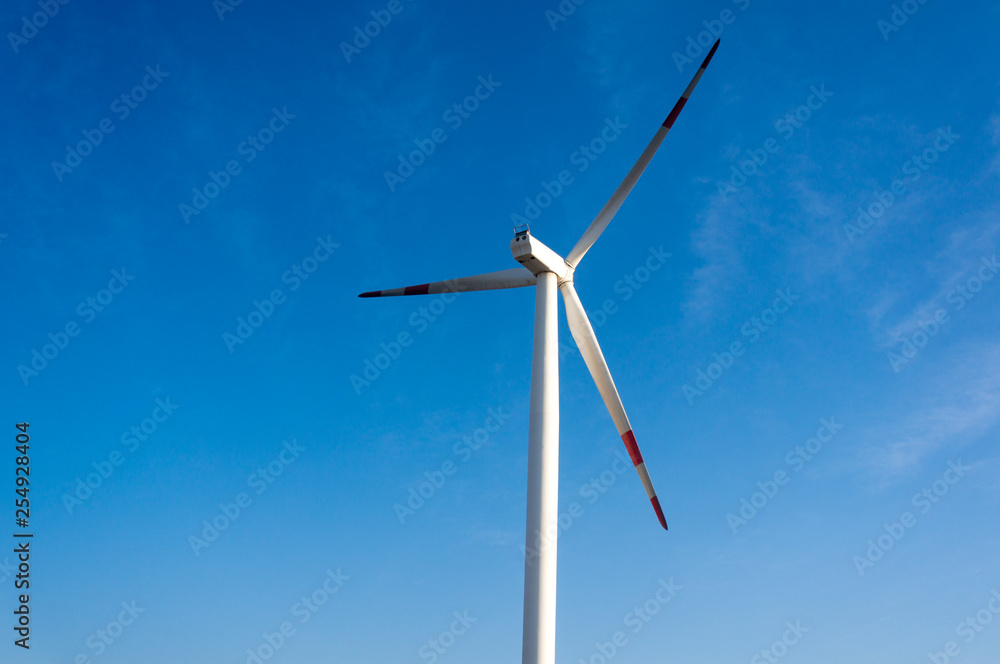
pixel 669 122
pixel 416 290
pixel 633 449
pixel 659 512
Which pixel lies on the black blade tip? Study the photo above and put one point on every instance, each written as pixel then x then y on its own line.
pixel 708 57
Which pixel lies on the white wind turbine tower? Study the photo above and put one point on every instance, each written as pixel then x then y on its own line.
pixel 547 271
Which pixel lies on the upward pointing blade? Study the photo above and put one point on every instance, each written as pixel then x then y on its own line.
pixel 513 278
pixel 604 217
pixel 586 341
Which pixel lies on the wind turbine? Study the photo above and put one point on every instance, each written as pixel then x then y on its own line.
pixel 546 270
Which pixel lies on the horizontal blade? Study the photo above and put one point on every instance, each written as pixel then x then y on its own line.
pixel 514 278
pixel 604 217
pixel 586 341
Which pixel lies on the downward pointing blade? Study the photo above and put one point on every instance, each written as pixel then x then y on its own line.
pixel 513 278
pixel 610 208
pixel 586 341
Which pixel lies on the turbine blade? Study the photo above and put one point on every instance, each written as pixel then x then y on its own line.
pixel 513 278
pixel 586 341
pixel 604 217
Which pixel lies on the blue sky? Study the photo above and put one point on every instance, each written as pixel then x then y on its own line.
pixel 182 327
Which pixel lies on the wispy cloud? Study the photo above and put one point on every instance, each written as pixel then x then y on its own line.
pixel 716 240
pixel 956 263
pixel 955 409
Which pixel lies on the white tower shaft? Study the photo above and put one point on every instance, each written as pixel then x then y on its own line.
pixel 539 645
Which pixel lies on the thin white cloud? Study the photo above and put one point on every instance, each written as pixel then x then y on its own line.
pixel 956 263
pixel 716 240
pixel 956 408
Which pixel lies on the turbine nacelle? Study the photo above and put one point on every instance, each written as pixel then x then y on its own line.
pixel 530 252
